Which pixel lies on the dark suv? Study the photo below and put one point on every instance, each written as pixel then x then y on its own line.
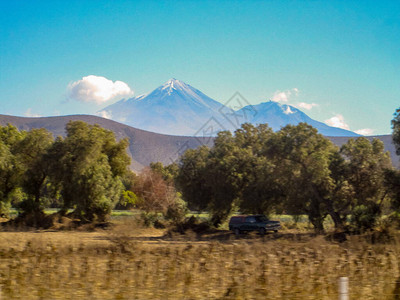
pixel 258 223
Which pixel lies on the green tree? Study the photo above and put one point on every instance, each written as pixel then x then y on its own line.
pixel 223 177
pixel 392 183
pixel 260 191
pixel 366 165
pixel 231 175
pixel 192 178
pixel 10 169
pixel 341 199
pixel 392 177
pixel 7 178
pixel 168 173
pixel 11 136
pixel 302 158
pixel 89 164
pixel 258 187
pixel 31 153
pixel 396 130
pixel 128 198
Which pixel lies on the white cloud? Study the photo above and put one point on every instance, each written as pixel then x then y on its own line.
pixel 30 114
pixel 281 96
pixel 365 131
pixel 337 121
pixel 284 96
pixel 307 106
pixel 98 89
pixel 105 114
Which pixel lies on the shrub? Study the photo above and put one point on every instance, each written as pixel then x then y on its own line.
pixel 364 217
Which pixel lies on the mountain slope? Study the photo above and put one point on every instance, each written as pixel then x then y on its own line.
pixel 278 115
pixel 179 109
pixel 173 108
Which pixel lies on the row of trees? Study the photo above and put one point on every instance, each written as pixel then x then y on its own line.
pixel 255 170
pixel 296 171
pixel 86 172
pixel 82 171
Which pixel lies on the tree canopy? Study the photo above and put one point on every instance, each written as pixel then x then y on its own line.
pixel 84 170
pixel 294 170
pixel 89 164
pixel 396 130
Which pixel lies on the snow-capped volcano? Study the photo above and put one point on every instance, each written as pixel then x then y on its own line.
pixel 173 108
pixel 177 108
pixel 174 91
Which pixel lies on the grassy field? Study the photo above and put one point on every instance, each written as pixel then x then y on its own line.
pixel 131 262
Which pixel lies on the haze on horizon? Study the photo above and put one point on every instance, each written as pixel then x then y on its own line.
pixel 337 61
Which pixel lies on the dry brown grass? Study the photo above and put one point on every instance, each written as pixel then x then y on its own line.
pixel 129 262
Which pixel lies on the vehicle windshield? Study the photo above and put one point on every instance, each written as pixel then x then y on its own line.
pixel 261 219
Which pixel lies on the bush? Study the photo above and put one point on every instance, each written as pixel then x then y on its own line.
pixel 158 199
pixel 177 211
pixel 364 217
pixel 152 219
pixel 191 224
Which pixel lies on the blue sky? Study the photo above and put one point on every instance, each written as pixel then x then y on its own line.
pixel 339 61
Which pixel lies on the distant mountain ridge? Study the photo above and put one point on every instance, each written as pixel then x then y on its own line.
pixel 146 147
pixel 276 114
pixel 179 109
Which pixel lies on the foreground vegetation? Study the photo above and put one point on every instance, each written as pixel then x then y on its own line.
pixel 130 262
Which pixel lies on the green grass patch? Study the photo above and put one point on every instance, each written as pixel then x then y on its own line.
pixel 123 213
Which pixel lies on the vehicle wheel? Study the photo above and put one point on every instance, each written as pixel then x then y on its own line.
pixel 262 231
pixel 237 231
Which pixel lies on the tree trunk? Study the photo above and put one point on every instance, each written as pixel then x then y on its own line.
pixel 318 223
pixel 337 220
pixel 316 217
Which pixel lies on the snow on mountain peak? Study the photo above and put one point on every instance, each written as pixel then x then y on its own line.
pixel 174 84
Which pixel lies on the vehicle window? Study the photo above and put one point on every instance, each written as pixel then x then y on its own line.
pixel 235 220
pixel 251 219
pixel 261 219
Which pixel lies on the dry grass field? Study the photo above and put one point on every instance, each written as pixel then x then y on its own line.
pixel 130 262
